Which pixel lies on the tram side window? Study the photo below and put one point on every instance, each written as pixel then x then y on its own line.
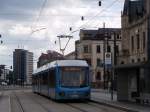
pixel 34 80
pixel 39 79
pixel 45 80
pixel 52 78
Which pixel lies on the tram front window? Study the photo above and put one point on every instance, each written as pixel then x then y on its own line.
pixel 73 77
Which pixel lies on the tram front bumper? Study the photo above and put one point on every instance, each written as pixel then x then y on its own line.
pixel 74 95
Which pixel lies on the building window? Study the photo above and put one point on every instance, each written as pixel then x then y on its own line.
pixel 117 49
pixel 85 49
pixel 98 48
pixel 122 62
pixel 144 59
pixel 133 61
pixel 88 61
pixel 108 48
pixel 132 42
pixel 98 76
pixel 118 36
pixel 144 39
pixel 99 63
pixel 138 41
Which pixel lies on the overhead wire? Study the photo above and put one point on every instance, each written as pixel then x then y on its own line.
pixel 92 18
pixel 37 20
pixel 88 22
pixel 102 11
pixel 40 12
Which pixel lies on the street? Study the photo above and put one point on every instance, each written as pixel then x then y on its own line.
pixel 24 100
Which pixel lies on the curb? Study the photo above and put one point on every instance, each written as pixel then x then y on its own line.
pixel 0 94
pixel 114 106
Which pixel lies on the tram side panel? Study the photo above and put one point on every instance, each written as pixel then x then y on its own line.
pixel 44 81
pixel 52 83
pixel 34 83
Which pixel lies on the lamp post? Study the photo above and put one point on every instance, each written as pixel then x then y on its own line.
pixel 105 51
pixel 114 64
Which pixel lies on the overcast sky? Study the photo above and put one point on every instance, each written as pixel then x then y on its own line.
pixel 19 18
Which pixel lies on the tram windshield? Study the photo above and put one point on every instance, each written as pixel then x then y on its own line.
pixel 74 77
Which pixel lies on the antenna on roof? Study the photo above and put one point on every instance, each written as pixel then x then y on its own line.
pixel 103 24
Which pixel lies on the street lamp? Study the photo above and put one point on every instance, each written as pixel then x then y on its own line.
pixel 105 51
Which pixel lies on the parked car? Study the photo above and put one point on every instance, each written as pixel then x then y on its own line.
pixel 4 83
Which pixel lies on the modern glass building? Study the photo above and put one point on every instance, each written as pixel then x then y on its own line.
pixel 23 66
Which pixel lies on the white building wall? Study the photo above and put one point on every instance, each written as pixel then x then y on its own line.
pixel 29 70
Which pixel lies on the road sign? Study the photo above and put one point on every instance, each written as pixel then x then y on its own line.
pixel 108 58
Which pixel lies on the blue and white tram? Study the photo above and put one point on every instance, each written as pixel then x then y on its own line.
pixel 63 79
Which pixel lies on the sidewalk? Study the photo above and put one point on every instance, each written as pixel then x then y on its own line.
pixel 104 97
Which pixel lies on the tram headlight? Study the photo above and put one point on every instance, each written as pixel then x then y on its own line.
pixel 62 93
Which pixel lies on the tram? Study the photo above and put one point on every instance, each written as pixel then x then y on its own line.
pixel 63 80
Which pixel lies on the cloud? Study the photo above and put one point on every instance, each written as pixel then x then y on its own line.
pixel 19 30
pixel 18 18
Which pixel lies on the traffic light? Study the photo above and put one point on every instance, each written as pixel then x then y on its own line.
pixel 99 3
pixel 0 72
pixel 1 41
pixel 82 18
pixel 70 28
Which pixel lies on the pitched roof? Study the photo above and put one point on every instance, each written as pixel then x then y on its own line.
pixel 126 6
pixel 99 34
pixel 135 9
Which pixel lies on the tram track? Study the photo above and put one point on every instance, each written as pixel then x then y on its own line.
pixel 44 107
pixel 47 105
pixel 87 104
pixel 98 106
pixel 111 106
pixel 15 103
pixel 40 104
pixel 77 108
pixel 95 105
pixel 1 94
pixel 66 104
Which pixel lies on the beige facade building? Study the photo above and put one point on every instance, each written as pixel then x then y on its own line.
pixel 92 47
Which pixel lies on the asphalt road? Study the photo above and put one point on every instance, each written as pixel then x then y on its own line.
pixel 23 100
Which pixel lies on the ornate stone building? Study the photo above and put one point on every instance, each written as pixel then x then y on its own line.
pixel 133 67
